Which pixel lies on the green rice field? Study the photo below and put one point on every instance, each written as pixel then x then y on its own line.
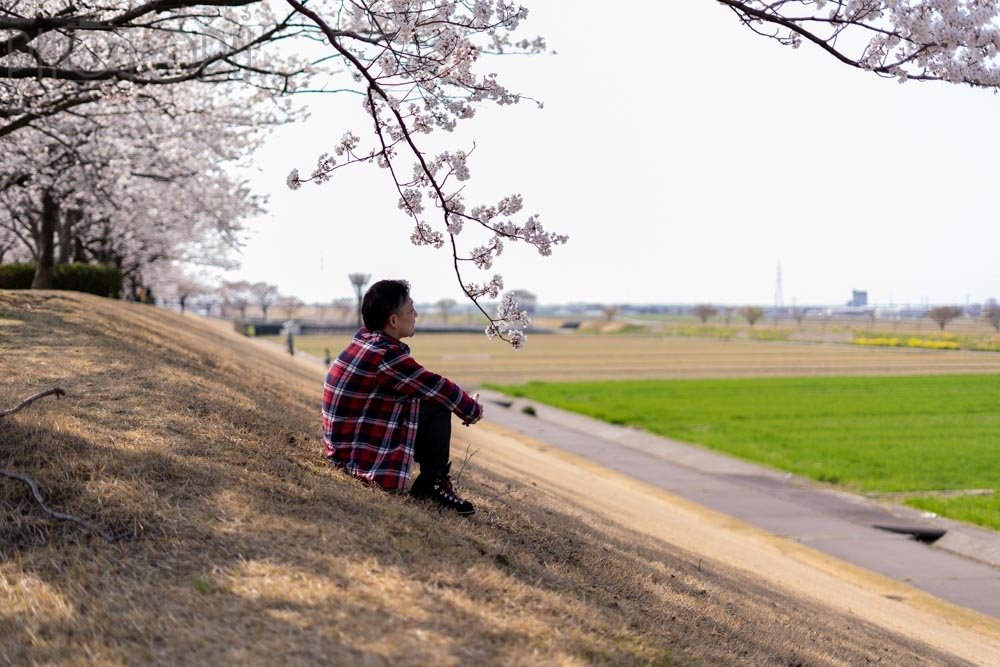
pixel 899 434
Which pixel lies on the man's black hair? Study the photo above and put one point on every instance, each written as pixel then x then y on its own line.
pixel 382 300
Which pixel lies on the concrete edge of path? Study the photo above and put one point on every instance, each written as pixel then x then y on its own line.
pixel 796 568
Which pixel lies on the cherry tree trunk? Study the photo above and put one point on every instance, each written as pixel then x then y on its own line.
pixel 46 242
pixel 66 236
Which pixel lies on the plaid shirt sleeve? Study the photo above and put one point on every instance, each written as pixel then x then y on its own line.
pixel 402 373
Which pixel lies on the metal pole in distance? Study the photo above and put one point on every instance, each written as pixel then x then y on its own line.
pixel 359 280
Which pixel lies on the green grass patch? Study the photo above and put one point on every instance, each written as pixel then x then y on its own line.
pixel 703 331
pixel 632 329
pixel 880 434
pixel 982 510
pixel 768 334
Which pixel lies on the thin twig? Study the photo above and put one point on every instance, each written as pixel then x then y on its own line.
pixel 33 485
pixel 31 399
pixel 468 456
pixel 498 496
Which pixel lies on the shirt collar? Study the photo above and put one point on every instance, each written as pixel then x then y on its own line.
pixel 379 335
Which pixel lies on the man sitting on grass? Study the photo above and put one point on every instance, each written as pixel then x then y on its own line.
pixel 382 410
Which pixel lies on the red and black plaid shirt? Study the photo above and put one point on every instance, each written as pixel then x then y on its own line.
pixel 371 402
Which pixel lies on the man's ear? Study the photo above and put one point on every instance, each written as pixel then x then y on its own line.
pixel 392 321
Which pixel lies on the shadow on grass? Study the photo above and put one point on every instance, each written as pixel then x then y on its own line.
pixel 222 548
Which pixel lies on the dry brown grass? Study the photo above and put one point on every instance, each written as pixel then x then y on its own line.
pixel 250 550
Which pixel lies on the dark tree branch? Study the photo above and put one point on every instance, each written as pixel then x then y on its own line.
pixel 191 70
pixel 28 119
pixel 743 8
pixel 31 399
pixel 32 28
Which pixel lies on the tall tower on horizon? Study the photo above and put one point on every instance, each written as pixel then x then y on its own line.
pixel 779 297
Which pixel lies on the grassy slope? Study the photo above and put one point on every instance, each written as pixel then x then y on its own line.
pixel 249 549
pixel 889 434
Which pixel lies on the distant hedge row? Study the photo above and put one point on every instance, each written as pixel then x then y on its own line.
pixel 99 279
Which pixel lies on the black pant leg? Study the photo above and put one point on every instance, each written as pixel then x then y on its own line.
pixel 432 447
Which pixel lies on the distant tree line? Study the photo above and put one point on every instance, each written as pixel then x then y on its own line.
pixel 941 315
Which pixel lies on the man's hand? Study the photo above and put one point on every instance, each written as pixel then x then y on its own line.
pixel 475 397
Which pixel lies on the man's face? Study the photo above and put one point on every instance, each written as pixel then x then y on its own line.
pixel 406 319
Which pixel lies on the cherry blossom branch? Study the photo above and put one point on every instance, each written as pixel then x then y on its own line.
pixel 123 49
pixel 31 29
pixel 28 118
pixel 933 40
pixel 190 70
pixel 427 58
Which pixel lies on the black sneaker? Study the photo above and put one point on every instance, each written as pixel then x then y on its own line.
pixel 441 491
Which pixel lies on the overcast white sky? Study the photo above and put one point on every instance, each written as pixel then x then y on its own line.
pixel 685 157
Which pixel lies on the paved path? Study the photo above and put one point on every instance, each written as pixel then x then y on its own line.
pixel 963 567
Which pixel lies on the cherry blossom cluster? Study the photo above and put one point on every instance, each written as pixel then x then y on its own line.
pixel 423 234
pixel 509 310
pixel 940 40
pixel 508 315
pixel 491 288
pixel 134 180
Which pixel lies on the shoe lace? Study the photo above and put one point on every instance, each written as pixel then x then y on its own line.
pixel 445 488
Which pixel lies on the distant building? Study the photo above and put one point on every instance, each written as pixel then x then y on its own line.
pixel 859 298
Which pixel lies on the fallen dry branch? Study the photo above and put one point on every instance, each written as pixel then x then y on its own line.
pixel 33 485
pixel 31 399
pixel 36 492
